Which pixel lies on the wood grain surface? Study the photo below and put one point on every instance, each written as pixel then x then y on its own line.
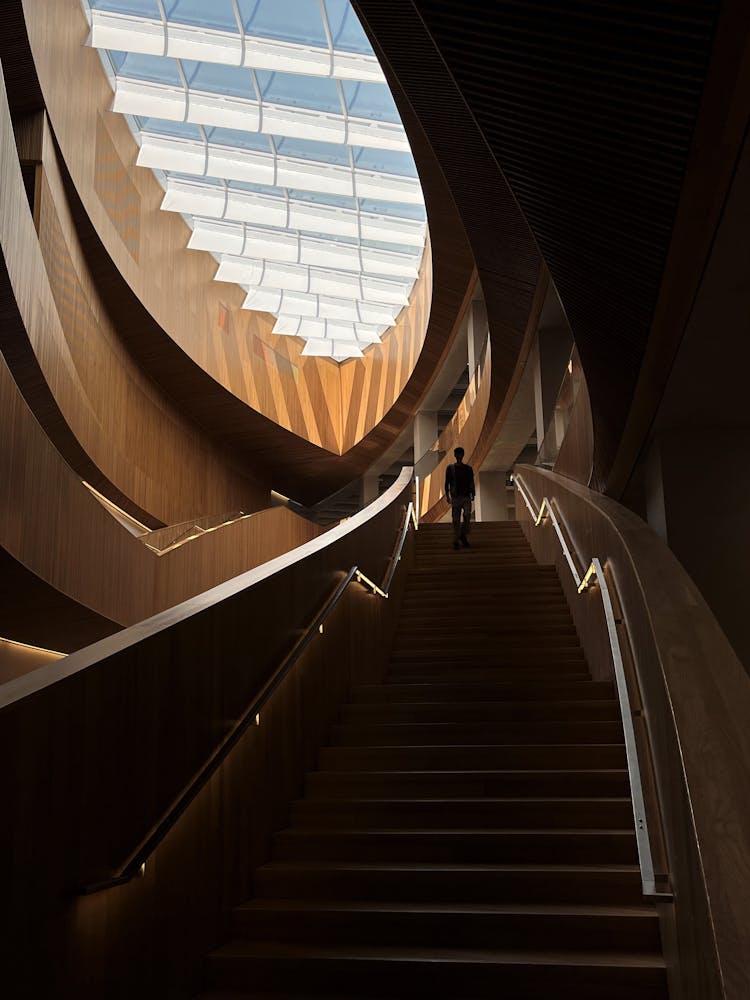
pixel 576 456
pixel 356 408
pixel 696 700
pixel 103 739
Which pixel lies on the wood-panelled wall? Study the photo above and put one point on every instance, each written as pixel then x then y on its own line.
pixel 464 429
pixel 576 456
pixel 102 740
pixel 131 433
pixel 476 423
pixel 332 406
pixel 696 699
pixel 53 525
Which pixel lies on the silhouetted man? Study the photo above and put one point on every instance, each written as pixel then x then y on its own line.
pixel 459 491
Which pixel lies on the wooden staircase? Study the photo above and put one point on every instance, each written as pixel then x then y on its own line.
pixel 469 831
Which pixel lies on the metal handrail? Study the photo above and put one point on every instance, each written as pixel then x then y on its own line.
pixel 135 864
pixel 410 517
pixel 595 570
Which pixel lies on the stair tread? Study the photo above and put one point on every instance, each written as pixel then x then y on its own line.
pixel 479 746
pixel 458 867
pixel 472 772
pixel 468 799
pixel 240 948
pixel 396 907
pixel 448 831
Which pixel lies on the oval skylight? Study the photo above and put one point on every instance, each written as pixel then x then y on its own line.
pixel 273 132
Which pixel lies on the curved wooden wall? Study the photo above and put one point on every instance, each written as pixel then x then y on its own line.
pixel 332 406
pixel 576 456
pixel 696 698
pixel 103 740
pixel 476 423
pixel 54 526
pixel 464 429
pixel 130 431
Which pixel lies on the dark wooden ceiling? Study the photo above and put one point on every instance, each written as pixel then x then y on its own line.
pixel 588 109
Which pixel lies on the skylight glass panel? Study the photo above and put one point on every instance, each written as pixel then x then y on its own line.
pixel 202 182
pixel 267 189
pixel 139 8
pixel 308 149
pixel 393 209
pixel 215 78
pixel 218 14
pixel 320 198
pixel 154 69
pixel 372 101
pixel 317 93
pixel 288 20
pixel 160 126
pixel 242 140
pixel 384 161
pixel 283 151
pixel 346 31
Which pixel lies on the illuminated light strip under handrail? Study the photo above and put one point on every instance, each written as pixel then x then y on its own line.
pixel 135 864
pixel 595 570
pixel 111 506
pixel 31 648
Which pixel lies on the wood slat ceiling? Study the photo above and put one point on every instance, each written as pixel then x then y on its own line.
pixel 507 258
pixel 588 108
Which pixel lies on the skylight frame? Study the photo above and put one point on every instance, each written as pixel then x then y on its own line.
pixel 328 265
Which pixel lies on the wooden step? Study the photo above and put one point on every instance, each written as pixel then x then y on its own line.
pixel 399 971
pixel 468 784
pixel 486 711
pixel 543 619
pixel 421 881
pixel 592 756
pixel 451 620
pixel 476 733
pixel 526 674
pixel 485 813
pixel 450 925
pixel 510 656
pixel 574 846
pixel 484 640
pixel 469 691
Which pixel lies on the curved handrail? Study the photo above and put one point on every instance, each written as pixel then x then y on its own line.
pixel 135 863
pixel 651 890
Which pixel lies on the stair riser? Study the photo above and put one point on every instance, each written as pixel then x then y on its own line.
pixel 468 691
pixel 595 757
pixel 484 642
pixel 465 885
pixel 479 814
pixel 534 650
pixel 490 711
pixel 493 616
pixel 516 931
pixel 514 661
pixel 426 785
pixel 513 847
pixel 366 977
pixel 483 734
pixel 437 674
